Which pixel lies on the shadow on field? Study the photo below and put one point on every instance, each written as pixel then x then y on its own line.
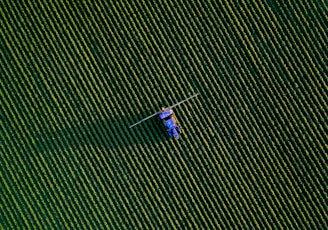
pixel 109 134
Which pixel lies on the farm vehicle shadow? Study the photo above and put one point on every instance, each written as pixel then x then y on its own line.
pixel 109 134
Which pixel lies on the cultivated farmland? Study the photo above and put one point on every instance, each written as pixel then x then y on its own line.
pixel 75 74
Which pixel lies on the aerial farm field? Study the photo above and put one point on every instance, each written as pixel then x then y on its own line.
pixel 74 75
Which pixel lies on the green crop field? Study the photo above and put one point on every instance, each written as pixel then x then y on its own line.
pixel 74 75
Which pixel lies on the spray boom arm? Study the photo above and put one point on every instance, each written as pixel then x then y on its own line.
pixel 172 106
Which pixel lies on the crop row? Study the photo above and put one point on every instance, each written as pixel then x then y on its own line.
pixel 78 74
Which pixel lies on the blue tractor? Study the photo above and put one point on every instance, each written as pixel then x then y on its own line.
pixel 168 118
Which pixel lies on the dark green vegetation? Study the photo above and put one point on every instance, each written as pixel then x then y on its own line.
pixel 74 76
